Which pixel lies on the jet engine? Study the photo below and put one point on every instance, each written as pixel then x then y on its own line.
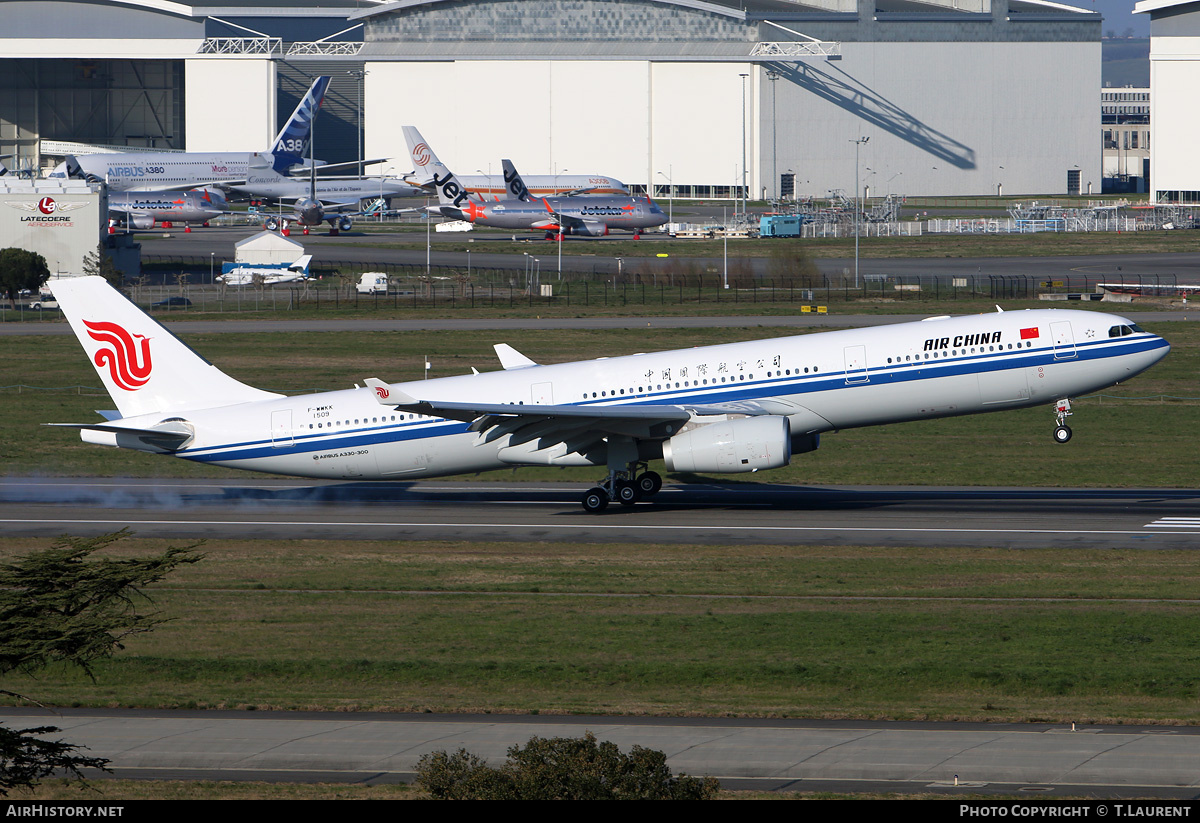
pixel 310 212
pixel 744 444
pixel 590 228
pixel 141 221
pixel 345 224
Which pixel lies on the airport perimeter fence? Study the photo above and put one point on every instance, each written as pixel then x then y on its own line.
pixel 445 287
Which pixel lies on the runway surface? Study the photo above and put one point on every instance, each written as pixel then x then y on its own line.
pixel 733 514
pixel 1030 760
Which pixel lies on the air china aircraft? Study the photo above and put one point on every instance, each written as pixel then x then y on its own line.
pixel 737 407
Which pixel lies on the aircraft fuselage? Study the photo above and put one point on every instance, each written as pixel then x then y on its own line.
pixel 820 382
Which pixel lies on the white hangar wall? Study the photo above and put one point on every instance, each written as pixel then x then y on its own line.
pixel 628 119
pixel 942 118
pixel 230 103
pixel 1174 79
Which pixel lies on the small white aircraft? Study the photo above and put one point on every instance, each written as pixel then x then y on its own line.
pixel 247 275
pixel 737 407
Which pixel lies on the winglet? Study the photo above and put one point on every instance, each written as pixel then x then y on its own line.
pixel 510 358
pixel 388 395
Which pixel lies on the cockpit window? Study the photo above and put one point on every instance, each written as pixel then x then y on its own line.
pixel 1135 327
pixel 1125 331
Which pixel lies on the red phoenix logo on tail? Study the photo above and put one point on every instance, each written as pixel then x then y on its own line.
pixel 382 393
pixel 128 366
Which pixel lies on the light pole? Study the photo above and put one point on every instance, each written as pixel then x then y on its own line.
pixel 382 203
pixel 559 235
pixel 212 259
pixel 671 201
pixel 725 237
pixel 744 76
pixel 360 74
pixel 773 76
pixel 858 203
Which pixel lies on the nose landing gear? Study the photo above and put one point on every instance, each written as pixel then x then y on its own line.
pixel 1062 410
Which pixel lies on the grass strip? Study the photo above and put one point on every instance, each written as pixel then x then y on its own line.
pixel 852 632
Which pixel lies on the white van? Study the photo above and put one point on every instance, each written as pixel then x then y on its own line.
pixel 373 282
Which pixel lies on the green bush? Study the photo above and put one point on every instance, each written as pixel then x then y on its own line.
pixel 560 768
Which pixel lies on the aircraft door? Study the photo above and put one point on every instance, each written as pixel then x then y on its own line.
pixel 542 394
pixel 1064 340
pixel 856 364
pixel 281 429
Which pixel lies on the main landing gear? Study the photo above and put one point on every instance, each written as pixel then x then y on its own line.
pixel 625 487
pixel 1062 410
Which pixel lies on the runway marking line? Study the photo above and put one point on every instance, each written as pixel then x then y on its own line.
pixel 590 525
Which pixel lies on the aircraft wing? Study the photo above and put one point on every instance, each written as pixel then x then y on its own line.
pixel 301 171
pixel 577 426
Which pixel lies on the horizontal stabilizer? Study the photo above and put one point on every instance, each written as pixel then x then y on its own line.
pixel 167 437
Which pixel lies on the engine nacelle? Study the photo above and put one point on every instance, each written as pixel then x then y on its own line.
pixel 141 221
pixel 310 212
pixel 345 224
pixel 591 228
pixel 745 444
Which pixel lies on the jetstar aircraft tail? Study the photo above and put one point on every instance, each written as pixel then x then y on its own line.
pixel 432 172
pixel 514 183
pixel 292 141
pixel 144 367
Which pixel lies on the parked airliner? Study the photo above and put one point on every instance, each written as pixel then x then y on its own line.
pixel 158 171
pixel 588 216
pixel 736 407
pixel 142 209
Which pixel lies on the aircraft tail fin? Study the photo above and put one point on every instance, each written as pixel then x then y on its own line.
pixel 516 186
pixel 432 172
pixel 292 141
pixel 144 367
pixel 301 263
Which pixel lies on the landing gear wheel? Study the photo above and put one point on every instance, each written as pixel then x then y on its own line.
pixel 1062 434
pixel 627 493
pixel 595 500
pixel 649 483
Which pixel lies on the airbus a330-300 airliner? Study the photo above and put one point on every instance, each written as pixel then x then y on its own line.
pixel 736 407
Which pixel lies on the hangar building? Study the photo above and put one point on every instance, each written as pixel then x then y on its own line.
pixel 1174 78
pixel 931 96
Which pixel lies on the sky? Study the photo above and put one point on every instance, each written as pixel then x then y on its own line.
pixel 1118 16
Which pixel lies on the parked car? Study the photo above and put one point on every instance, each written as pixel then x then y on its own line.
pixel 45 301
pixel 171 301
